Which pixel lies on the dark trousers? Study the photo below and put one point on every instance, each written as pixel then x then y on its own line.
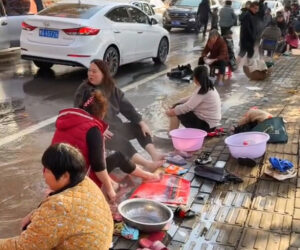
pixel 190 120
pixel 249 51
pixel 118 160
pixel 224 30
pixel 220 64
pixel 123 133
pixel 199 25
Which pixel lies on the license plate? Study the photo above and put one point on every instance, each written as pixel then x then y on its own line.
pixel 48 33
pixel 175 23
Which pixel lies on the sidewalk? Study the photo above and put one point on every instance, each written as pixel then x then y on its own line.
pixel 260 213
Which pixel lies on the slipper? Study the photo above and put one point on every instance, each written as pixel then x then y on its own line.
pixel 147 242
pixel 280 165
pixel 181 213
pixel 247 162
pixel 203 159
pixel 176 159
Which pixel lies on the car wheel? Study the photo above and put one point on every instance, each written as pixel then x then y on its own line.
pixel 112 57
pixel 162 52
pixel 43 65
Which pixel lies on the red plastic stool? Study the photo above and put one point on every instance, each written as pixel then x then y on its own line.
pixel 228 71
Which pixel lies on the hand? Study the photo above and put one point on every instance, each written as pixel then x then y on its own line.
pixel 108 134
pixel 145 129
pixel 170 112
pixel 26 220
pixel 111 195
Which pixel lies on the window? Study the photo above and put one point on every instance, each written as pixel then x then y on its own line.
pixel 139 5
pixel 119 15
pixel 147 9
pixel 74 10
pixel 138 16
pixel 193 3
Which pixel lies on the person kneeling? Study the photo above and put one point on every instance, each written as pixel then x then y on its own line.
pixel 218 57
pixel 202 109
pixel 74 215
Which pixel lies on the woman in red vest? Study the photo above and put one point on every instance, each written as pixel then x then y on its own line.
pixel 84 129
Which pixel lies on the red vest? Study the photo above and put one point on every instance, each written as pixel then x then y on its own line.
pixel 72 126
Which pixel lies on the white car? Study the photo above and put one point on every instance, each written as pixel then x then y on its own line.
pixel 275 6
pixel 148 9
pixel 74 33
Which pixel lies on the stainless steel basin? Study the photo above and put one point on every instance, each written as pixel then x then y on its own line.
pixel 145 215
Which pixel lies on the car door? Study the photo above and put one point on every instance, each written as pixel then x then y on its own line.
pixel 4 40
pixel 148 36
pixel 124 32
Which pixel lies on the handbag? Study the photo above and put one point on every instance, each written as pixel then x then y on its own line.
pixel 275 128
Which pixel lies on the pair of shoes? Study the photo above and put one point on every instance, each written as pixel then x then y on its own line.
pixel 247 162
pixel 182 213
pixel 203 159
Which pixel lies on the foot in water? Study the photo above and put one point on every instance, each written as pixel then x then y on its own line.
pixel 153 165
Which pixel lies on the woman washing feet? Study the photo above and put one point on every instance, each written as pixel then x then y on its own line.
pixel 202 109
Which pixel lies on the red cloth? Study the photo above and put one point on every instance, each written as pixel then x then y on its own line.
pixel 72 126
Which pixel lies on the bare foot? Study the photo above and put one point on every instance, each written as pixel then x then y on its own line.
pixel 153 165
pixel 151 177
pixel 159 157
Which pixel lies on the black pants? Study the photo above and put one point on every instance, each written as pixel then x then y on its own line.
pixel 224 30
pixel 190 120
pixel 199 25
pixel 118 160
pixel 123 133
pixel 220 64
pixel 249 51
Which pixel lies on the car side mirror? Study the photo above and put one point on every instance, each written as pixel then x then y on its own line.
pixel 153 21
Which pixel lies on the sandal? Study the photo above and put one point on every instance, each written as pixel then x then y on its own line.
pixel 176 159
pixel 280 165
pixel 203 159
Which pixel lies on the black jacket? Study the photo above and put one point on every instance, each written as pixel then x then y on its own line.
pixel 248 30
pixel 203 11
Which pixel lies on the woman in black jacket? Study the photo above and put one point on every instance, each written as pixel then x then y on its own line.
pixel 202 16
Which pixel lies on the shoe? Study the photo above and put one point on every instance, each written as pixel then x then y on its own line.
pixel 203 159
pixel 247 162
pixel 176 159
pixel 181 213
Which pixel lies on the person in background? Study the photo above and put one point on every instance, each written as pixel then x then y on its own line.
pixel 214 19
pixel 227 17
pixel 202 109
pixel 83 128
pixel 75 215
pixel 120 132
pixel 297 26
pixel 230 46
pixel 281 25
pixel 203 16
pixel 267 18
pixel 287 14
pixel 215 54
pixel 292 40
pixel 248 31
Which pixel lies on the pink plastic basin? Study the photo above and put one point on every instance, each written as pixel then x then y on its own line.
pixel 187 139
pixel 247 145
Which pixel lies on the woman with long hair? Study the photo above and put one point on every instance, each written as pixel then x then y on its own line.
pixel 120 133
pixel 202 109
pixel 83 128
pixel 292 40
pixel 75 215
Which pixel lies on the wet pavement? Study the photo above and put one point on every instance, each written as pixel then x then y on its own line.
pixel 39 95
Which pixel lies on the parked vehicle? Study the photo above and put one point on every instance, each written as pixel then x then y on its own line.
pixel 13 13
pixel 73 33
pixel 148 9
pixel 182 13
pixel 275 6
pixel 4 41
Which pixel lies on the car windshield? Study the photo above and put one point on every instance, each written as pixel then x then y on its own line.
pixel 81 11
pixel 192 3
pixel 270 4
pixel 236 5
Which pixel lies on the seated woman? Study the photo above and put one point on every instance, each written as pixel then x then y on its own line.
pixel 120 133
pixel 75 215
pixel 202 109
pixel 292 40
pixel 215 54
pixel 84 129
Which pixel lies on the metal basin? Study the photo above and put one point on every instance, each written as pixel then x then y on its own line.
pixel 145 215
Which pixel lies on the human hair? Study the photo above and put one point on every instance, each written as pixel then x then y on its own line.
pixel 95 103
pixel 61 158
pixel 292 32
pixel 254 4
pixel 108 82
pixel 228 2
pixel 213 33
pixel 200 73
